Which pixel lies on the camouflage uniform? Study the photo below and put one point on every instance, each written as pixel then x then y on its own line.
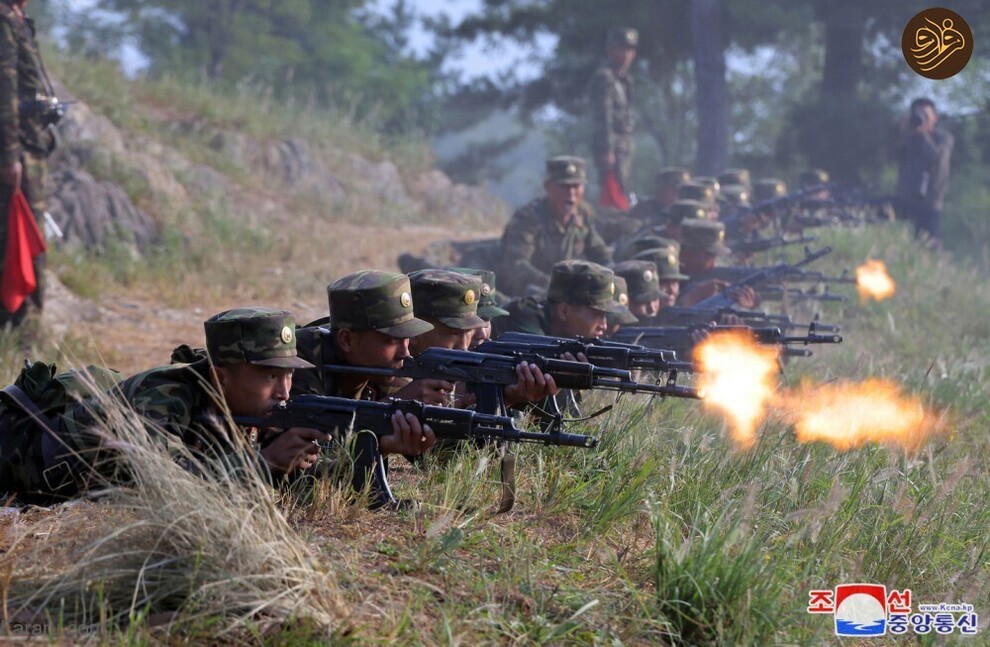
pixel 575 282
pixel 611 98
pixel 534 239
pixel 707 235
pixel 178 403
pixel 23 135
pixel 651 212
pixel 365 300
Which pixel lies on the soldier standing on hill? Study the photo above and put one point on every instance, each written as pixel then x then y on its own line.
pixel 611 108
pixel 27 107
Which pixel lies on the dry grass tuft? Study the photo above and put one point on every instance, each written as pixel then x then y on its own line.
pixel 183 550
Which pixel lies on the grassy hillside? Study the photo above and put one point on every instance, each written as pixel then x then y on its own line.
pixel 665 534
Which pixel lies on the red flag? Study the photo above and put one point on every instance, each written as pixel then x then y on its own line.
pixel 24 242
pixel 612 195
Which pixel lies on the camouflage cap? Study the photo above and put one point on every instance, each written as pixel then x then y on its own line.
pixel 667 261
pixel 647 241
pixel 813 177
pixel 374 300
pixel 623 37
pixel 624 317
pixel 583 283
pixel 672 177
pixel 696 191
pixel 449 297
pixel 734 176
pixel 642 278
pixel 734 194
pixel 260 336
pixel 685 209
pixel 704 234
pixel 767 188
pixel 708 181
pixel 488 307
pixel 566 169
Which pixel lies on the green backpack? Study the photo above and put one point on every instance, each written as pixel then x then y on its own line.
pixel 30 408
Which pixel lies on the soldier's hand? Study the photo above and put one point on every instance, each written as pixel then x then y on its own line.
pixel 532 385
pixel 12 174
pixel 745 296
pixel 435 392
pixel 571 357
pixel 608 159
pixel 293 449
pixel 409 437
pixel 702 291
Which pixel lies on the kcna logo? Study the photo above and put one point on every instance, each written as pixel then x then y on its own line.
pixel 937 43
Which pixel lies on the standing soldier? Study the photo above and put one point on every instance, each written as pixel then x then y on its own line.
pixel 27 107
pixel 611 108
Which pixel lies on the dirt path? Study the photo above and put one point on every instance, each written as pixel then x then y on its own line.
pixel 134 332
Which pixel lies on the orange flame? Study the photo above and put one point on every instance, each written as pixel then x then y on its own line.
pixel 848 415
pixel 737 379
pixel 873 281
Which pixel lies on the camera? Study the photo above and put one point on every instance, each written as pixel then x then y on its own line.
pixel 49 109
pixel 917 118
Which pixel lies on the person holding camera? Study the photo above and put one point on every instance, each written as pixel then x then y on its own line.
pixel 28 109
pixel 923 173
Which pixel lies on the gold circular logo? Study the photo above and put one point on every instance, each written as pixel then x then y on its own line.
pixel 485 289
pixel 286 335
pixel 937 43
pixel 571 169
pixel 648 275
pixel 623 299
pixel 405 300
pixel 721 235
pixel 672 259
pixel 469 297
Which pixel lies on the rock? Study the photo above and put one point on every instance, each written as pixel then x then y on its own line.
pixel 90 212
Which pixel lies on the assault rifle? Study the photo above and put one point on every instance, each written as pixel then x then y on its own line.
pixel 759 276
pixel 681 338
pixel 734 273
pixel 489 374
pixel 797 295
pixel 608 353
pixel 332 414
pixel 698 316
pixel 754 245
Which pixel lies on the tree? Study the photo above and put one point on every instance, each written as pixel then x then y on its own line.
pixel 333 52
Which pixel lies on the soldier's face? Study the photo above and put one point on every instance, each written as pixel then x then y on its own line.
pixel 580 321
pixel 372 348
pixel 481 335
pixel 666 195
pixel 621 58
pixel 696 261
pixel 564 198
pixel 442 336
pixel 641 309
pixel 672 290
pixel 252 390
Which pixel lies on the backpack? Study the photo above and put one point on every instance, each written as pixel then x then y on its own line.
pixel 30 411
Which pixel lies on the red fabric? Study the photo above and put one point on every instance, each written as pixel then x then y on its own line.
pixel 612 195
pixel 24 242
